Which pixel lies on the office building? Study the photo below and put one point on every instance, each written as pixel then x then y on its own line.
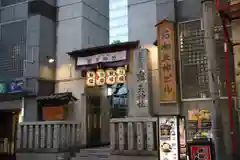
pixel 118 20
pixel 35 38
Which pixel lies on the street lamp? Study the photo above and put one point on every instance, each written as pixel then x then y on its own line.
pixel 50 59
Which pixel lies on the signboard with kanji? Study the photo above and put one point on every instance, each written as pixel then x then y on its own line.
pixel 167 68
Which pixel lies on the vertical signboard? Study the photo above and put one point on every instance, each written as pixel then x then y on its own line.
pixel 167 68
pixel 200 152
pixel 141 90
pixel 168 138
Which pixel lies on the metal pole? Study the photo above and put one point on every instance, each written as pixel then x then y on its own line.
pixel 228 84
pixel 210 47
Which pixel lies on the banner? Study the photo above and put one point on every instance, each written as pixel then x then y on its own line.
pixel 167 68
pixel 53 113
pixel 168 138
pixel 102 58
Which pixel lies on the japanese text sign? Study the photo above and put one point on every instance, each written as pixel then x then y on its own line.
pixel 141 88
pixel 167 70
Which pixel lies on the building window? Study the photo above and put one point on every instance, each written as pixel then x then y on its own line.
pixel 119 31
pixel 118 96
pixel 122 21
pixel 115 4
pixel 121 38
pixel 10 2
pixel 194 61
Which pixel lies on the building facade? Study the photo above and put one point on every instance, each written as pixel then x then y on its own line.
pixel 191 56
pixel 118 20
pixel 32 32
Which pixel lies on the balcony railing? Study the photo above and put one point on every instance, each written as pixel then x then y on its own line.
pixel 134 136
pixel 48 136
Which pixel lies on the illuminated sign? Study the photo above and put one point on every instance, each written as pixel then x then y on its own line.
pixel 100 77
pixel 121 75
pixel 108 76
pixel 91 78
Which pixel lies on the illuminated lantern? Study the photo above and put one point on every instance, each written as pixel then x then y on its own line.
pixel 100 77
pixel 121 75
pixel 110 76
pixel 90 78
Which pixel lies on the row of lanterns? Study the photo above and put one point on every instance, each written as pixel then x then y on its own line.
pixel 108 76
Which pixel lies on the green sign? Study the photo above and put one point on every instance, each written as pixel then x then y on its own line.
pixel 3 88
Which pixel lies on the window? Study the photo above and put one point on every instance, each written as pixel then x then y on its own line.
pixel 118 22
pixel 122 38
pixel 118 13
pixel 114 4
pixel 119 100
pixel 118 31
pixel 10 2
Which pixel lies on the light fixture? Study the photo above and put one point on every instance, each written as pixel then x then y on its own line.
pixel 50 59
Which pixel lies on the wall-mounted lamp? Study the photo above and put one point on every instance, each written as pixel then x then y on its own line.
pixel 50 59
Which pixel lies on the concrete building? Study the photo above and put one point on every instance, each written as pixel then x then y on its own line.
pixel 190 54
pixel 118 20
pixel 32 33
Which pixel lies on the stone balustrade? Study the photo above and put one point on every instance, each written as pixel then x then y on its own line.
pixel 48 136
pixel 134 136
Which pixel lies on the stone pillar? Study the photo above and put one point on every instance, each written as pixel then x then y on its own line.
pixel 30 109
pixel 139 104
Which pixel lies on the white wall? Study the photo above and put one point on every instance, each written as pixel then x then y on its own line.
pixel 142 20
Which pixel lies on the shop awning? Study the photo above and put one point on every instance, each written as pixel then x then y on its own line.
pixel 104 49
pixel 107 56
pixel 57 99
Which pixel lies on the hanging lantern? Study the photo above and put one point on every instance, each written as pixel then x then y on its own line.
pixel 90 79
pixel 100 77
pixel 121 75
pixel 110 76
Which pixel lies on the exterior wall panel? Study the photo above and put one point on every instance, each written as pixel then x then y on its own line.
pixel 17 12
pixel 138 26
pixel 13 50
pixel 189 10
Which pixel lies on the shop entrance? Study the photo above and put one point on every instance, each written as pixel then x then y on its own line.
pixel 93 104
pixel 8 128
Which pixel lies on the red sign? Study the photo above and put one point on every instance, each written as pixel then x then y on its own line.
pixel 200 152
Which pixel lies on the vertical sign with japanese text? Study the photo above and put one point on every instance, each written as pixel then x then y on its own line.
pixel 167 70
pixel 141 81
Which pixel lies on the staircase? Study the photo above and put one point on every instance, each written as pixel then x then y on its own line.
pixel 101 153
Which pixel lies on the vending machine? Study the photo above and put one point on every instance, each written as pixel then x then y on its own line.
pixel 171 143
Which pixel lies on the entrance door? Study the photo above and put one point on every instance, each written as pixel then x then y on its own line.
pixel 8 129
pixel 94 120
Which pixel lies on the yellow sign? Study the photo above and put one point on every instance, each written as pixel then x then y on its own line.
pixel 167 68
pixel 202 115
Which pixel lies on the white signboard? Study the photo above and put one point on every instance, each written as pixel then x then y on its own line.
pixel 168 138
pixel 105 57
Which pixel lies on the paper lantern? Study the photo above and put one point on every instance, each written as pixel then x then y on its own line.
pixel 121 75
pixel 91 78
pixel 110 76
pixel 100 77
